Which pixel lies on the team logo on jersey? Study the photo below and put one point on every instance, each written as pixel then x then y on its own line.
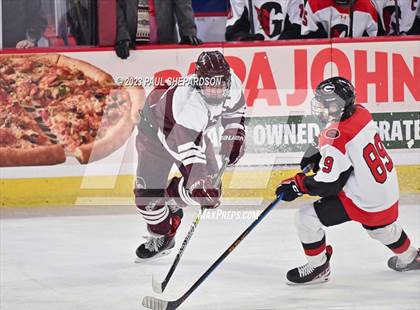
pixel 332 133
pixel 339 31
pixel 140 183
pixel 264 18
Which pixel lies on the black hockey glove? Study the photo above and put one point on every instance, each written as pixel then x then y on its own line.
pixel 291 188
pixel 312 156
pixel 191 40
pixel 122 49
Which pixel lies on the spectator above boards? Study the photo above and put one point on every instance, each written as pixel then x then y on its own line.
pixel 154 21
pixel 48 23
pixel 23 24
pixel 260 20
pixel 255 20
pixel 339 18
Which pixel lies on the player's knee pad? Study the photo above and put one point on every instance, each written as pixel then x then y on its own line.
pixel 385 234
pixel 306 219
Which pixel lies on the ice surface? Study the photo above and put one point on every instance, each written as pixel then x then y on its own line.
pixel 86 263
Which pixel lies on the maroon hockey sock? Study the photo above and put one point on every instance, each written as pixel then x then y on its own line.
pixel 162 228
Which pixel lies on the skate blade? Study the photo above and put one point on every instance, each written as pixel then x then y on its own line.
pixel 405 269
pixel 322 279
pixel 139 260
pixel 317 281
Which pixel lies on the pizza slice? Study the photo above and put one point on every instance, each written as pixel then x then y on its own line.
pixel 22 140
pixel 72 104
pixel 91 130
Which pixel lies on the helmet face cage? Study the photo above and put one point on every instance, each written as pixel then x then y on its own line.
pixel 344 2
pixel 319 111
pixel 332 98
pixel 215 94
pixel 215 79
pixel 327 109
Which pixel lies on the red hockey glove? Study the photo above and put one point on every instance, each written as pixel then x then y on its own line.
pixel 292 188
pixel 233 146
pixel 205 194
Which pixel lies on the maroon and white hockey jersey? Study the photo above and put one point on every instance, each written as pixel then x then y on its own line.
pixel 266 19
pixel 336 20
pixel 386 11
pixel 370 194
pixel 183 118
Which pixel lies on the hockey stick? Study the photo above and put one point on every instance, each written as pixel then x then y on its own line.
pixel 251 17
pixel 397 18
pixel 159 287
pixel 351 20
pixel 160 304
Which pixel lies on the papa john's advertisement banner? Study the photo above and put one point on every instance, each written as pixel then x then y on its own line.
pixel 278 81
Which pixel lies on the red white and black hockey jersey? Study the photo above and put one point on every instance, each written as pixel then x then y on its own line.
pixel 353 146
pixel 183 118
pixel 268 20
pixel 336 20
pixel 386 11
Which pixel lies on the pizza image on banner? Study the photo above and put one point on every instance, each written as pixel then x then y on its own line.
pixel 53 106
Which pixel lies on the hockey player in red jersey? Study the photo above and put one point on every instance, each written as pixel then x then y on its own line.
pixel 172 130
pixel 339 18
pixel 407 15
pixel 264 20
pixel 355 177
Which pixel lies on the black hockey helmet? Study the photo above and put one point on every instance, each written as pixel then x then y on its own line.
pixel 334 100
pixel 214 77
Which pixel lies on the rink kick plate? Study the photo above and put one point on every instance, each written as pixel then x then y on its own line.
pixel 66 191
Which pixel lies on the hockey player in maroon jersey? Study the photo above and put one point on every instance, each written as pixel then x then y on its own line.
pixel 265 20
pixel 355 177
pixel 339 18
pixel 173 130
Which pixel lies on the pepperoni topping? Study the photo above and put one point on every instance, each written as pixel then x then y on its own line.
pixel 7 137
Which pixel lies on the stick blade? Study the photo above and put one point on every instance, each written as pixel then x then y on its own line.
pixel 158 304
pixel 157 286
pixel 155 303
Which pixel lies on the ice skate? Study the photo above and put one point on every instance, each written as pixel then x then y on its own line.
pixel 394 263
pixel 305 274
pixel 160 245
pixel 155 247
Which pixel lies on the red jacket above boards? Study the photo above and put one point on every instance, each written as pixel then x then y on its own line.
pixel 407 18
pixel 266 20
pixel 326 18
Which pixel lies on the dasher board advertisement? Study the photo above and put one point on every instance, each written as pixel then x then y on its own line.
pixel 75 110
